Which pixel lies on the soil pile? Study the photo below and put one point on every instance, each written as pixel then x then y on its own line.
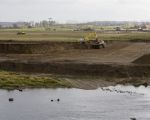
pixel 145 59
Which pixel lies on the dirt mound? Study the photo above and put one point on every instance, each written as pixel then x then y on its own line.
pixel 145 59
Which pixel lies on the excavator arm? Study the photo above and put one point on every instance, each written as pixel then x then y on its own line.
pixel 91 36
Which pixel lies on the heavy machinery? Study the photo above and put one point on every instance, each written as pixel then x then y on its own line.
pixel 92 40
pixel 21 33
pixel 90 36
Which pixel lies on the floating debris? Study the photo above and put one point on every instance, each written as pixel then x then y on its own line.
pixel 119 91
pixel 132 118
pixel 11 99
pixel 20 90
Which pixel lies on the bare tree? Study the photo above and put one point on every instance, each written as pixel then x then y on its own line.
pixel 15 25
pixel 1 26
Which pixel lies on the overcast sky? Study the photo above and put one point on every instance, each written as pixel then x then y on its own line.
pixel 75 10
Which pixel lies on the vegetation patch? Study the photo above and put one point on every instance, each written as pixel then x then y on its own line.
pixel 69 36
pixel 11 80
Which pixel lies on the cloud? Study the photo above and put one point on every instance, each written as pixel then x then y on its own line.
pixel 80 10
pixel 134 2
pixel 19 2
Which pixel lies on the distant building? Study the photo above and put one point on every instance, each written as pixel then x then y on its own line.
pixel 147 27
pixel 144 27
pixel 14 24
pixel 118 28
pixel 88 29
pixel 140 29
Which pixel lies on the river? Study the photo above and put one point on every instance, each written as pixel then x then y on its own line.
pixel 115 103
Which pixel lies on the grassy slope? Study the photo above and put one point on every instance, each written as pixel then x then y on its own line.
pixel 11 80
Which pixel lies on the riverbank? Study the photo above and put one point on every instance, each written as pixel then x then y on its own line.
pixel 119 63
pixel 13 80
pixel 118 59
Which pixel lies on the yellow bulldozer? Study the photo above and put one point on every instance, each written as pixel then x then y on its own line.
pixel 93 41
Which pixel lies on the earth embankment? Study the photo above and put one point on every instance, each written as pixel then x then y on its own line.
pixel 145 59
pixel 73 58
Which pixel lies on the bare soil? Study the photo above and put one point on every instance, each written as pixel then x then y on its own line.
pixel 115 52
pixel 145 59
pixel 117 60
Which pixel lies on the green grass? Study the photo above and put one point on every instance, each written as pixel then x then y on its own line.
pixel 125 36
pixel 11 80
pixel 39 34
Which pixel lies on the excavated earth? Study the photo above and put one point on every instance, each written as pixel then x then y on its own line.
pixel 117 60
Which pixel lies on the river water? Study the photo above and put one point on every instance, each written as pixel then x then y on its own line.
pixel 76 104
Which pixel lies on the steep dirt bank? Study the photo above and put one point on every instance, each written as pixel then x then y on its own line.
pixel 37 47
pixel 19 81
pixel 145 59
pixel 78 68
pixel 44 47
pixel 73 58
pixel 89 82
pixel 116 61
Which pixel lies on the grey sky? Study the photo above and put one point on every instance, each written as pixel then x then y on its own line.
pixel 75 10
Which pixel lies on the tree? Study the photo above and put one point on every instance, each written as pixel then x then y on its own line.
pixel 44 23
pixel 15 25
pixel 118 29
pixel 51 21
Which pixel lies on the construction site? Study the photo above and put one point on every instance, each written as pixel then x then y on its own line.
pixel 124 59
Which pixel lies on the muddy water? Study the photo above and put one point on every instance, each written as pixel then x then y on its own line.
pixel 75 104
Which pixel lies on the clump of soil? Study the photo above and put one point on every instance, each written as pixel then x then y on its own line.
pixel 145 59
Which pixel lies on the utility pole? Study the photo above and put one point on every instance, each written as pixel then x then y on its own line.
pixel 50 19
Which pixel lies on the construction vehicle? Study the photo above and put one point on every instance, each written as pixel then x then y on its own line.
pixel 21 33
pixel 90 37
pixel 92 40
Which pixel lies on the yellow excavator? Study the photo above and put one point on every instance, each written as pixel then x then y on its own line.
pixel 92 40
pixel 90 37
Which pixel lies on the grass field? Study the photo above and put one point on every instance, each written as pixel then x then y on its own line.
pixel 12 80
pixel 68 35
